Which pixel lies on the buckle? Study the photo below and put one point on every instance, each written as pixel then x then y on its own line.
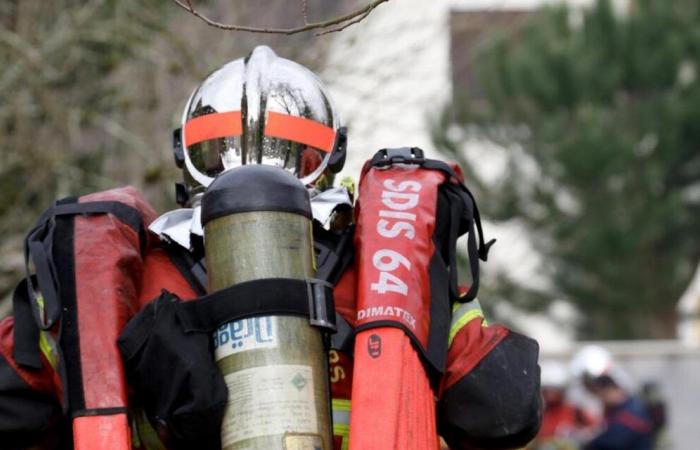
pixel 403 155
pixel 321 306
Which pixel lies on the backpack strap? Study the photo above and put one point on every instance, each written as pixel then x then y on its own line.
pixel 334 253
pixel 268 296
pixel 310 298
pixel 191 268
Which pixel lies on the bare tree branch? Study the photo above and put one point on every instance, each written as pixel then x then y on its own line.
pixel 357 19
pixel 344 21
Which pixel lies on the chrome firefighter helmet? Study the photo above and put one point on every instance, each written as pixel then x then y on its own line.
pixel 261 109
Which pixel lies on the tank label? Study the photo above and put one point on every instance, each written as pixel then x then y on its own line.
pixel 252 333
pixel 295 441
pixel 268 401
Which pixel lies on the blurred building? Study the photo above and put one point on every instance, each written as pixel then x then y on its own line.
pixel 689 313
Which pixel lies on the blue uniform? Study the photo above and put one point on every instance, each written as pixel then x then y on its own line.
pixel 628 426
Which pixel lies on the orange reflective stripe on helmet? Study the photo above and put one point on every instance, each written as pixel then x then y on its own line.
pixel 301 130
pixel 212 126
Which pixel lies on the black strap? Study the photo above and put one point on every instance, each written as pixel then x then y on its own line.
pixel 456 213
pixel 194 271
pixel 265 297
pixel 26 337
pixel 343 339
pixel 39 249
pixel 99 412
pixel 414 155
pixel 334 254
pixel 484 247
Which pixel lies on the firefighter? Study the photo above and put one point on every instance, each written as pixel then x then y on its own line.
pixel 258 110
pixel 564 425
pixel 627 423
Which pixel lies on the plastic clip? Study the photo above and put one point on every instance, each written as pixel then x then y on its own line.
pixel 403 155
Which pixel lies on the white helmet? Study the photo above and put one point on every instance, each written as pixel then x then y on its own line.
pixel 554 375
pixel 592 363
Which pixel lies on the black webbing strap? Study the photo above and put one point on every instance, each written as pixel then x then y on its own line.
pixel 99 412
pixel 414 155
pixel 332 258
pixel 334 253
pixel 265 297
pixel 26 333
pixel 38 248
pixel 192 270
pixel 343 339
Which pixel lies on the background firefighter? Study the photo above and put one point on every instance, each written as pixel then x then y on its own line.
pixel 627 420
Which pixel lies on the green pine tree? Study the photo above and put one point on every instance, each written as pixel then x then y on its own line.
pixel 607 107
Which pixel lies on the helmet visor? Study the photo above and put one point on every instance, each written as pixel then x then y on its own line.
pixel 214 144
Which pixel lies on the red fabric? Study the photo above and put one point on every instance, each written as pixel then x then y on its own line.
pixel 458 171
pixel 44 380
pixel 631 421
pixel 213 126
pixel 311 159
pixel 562 420
pixel 395 224
pixel 344 296
pixel 301 130
pixel 108 269
pixel 102 432
pixel 341 374
pixel 160 273
pixel 469 346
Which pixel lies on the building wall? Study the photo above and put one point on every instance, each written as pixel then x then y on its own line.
pixel 689 312
pixel 388 75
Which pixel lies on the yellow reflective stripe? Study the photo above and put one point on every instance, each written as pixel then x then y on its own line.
pixel 341 404
pixel 341 411
pixel 344 431
pixel 348 183
pixel 47 349
pixel 45 338
pixel 463 313
pixel 463 320
pixel 40 302
pixel 341 420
